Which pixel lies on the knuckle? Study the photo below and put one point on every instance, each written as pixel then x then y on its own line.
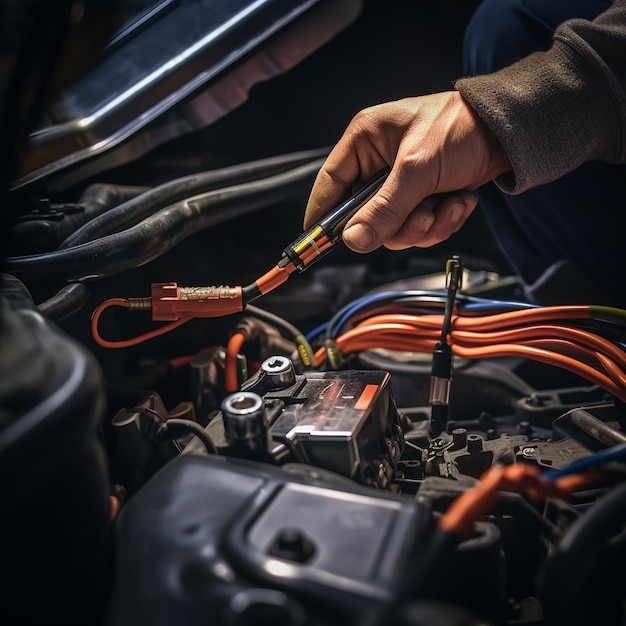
pixel 366 122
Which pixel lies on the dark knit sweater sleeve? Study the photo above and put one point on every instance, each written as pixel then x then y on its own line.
pixel 554 110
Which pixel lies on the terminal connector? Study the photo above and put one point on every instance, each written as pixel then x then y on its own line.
pixel 171 302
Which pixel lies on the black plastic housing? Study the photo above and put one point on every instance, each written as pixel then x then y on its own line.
pixel 208 533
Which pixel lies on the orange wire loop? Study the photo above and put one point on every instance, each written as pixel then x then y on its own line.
pixel 126 343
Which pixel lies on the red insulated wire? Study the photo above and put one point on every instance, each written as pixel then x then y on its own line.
pixel 181 361
pixel 544 356
pixel 544 331
pixel 233 348
pixel 126 343
pixel 579 351
pixel 523 317
pixel 275 277
pixel 478 501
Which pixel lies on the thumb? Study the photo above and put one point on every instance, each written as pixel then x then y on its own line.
pixel 360 237
pixel 382 216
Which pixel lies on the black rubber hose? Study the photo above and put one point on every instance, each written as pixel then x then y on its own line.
pixel 50 223
pixel 67 301
pixel 136 209
pixel 286 329
pixel 303 348
pixel 97 200
pixel 162 231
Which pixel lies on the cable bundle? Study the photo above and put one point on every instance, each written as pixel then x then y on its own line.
pixel 579 339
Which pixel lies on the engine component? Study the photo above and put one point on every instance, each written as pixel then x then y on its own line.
pixel 245 427
pixel 208 533
pixel 346 422
pixel 228 467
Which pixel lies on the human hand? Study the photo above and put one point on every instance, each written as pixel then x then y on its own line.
pixel 439 151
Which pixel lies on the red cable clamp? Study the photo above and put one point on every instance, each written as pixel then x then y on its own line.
pixel 171 302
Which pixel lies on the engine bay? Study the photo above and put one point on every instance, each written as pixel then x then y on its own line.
pixel 195 430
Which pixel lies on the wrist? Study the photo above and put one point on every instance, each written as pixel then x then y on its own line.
pixel 497 160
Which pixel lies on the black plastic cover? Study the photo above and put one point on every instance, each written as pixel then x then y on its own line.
pixel 206 529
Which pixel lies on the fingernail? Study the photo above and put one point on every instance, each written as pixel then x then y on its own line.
pixel 359 236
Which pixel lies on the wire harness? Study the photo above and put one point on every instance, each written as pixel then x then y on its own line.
pixel 583 339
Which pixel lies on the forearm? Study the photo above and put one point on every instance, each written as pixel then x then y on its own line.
pixel 555 110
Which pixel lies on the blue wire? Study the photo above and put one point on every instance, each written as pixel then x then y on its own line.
pixel 313 334
pixel 350 309
pixel 498 304
pixel 465 302
pixel 353 307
